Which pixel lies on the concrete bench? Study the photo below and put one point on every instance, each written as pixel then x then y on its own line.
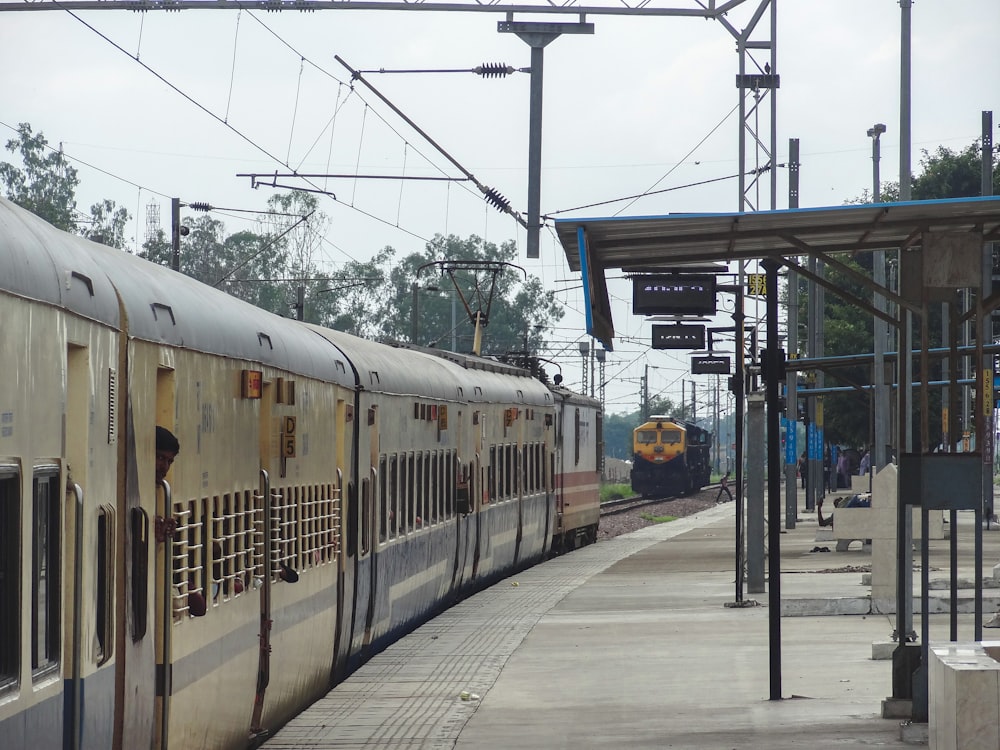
pixel 963 696
pixel 851 524
pixel 864 524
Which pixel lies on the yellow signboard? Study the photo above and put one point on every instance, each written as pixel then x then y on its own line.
pixel 757 284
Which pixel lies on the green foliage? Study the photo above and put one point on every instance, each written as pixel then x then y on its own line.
pixel 46 185
pixel 615 491
pixel 849 328
pixel 517 313
pixel 107 224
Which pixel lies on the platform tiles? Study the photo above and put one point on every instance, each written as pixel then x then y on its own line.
pixel 421 691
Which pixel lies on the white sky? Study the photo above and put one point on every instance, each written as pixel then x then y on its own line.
pixel 636 103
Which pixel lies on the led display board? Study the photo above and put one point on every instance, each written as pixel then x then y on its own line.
pixel 710 365
pixel 673 294
pixel 678 337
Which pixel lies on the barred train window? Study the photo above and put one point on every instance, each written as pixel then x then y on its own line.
pixel 46 588
pixel 188 556
pixel 10 574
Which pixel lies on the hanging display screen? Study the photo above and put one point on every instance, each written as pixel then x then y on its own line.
pixel 673 294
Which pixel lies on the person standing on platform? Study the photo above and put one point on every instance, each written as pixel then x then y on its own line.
pixel 866 464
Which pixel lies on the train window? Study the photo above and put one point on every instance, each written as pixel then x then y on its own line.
pixel 10 574
pixel 399 493
pixel 188 552
pixel 510 471
pixel 411 485
pixel 599 443
pixel 418 491
pixel 285 512
pixel 393 496
pixel 491 476
pixel 576 436
pixel 46 587
pixel 670 437
pixel 434 489
pixel 104 615
pixel 366 516
pixel 139 523
pixel 449 484
pixel 383 499
pixel 646 437
pixel 429 499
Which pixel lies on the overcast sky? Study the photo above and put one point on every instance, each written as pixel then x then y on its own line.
pixel 643 101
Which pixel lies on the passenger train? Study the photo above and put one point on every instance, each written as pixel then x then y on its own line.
pixel 670 457
pixel 329 495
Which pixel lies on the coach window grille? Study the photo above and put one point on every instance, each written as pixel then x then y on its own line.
pixel 10 574
pixel 46 559
pixel 418 490
pixel 576 436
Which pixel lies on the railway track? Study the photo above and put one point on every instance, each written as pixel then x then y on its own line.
pixel 626 504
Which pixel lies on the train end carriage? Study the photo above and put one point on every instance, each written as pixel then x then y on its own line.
pixel 578 460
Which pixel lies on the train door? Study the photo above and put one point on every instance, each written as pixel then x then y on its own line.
pixel 76 440
pixel 369 487
pixel 263 560
pixel 163 571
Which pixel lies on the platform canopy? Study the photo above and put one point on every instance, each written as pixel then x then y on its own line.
pixel 667 243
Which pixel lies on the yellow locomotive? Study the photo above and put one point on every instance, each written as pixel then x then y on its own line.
pixel 669 457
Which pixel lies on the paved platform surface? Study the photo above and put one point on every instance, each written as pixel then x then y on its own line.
pixel 634 643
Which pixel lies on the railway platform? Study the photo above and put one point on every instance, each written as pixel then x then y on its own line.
pixel 636 642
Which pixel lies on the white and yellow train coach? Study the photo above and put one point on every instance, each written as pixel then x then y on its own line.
pixel 330 493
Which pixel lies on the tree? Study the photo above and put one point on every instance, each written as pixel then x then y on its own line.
pixel 519 313
pixel 46 185
pixel 107 224
pixel 944 174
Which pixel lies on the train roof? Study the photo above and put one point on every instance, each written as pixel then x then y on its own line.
pixel 49 265
pixel 160 305
pixel 41 263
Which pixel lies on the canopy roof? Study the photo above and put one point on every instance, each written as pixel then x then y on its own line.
pixel 657 243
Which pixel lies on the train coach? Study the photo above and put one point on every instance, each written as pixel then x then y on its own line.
pixel 669 457
pixel 329 494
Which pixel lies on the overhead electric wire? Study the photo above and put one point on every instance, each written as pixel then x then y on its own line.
pixel 684 158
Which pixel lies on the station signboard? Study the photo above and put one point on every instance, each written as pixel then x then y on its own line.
pixel 710 365
pixel 679 337
pixel 673 294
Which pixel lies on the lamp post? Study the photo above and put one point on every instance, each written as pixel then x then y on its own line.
pixel 881 328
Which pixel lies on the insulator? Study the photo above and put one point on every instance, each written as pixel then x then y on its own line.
pixel 494 70
pixel 200 206
pixel 495 199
